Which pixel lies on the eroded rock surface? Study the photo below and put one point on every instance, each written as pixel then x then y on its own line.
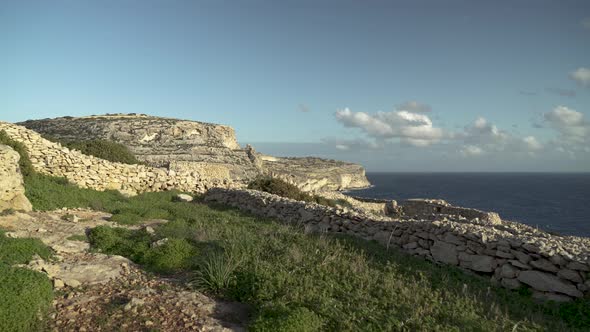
pixel 12 190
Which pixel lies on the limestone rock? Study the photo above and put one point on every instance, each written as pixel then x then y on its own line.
pixel 12 191
pixel 546 282
pixel 444 252
pixel 184 198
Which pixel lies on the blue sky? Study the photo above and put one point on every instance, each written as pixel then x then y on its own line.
pixel 394 85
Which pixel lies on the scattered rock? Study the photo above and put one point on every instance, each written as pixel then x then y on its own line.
pixel 184 198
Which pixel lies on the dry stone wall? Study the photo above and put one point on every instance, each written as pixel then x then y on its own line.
pixel 511 254
pixel 91 172
pixel 12 190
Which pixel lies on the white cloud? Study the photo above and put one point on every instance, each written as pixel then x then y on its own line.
pixel 413 128
pixel 531 143
pixel 471 150
pixel 484 137
pixel 581 76
pixel 413 106
pixel 569 123
pixel 342 147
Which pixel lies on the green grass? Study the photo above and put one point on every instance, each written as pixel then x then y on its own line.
pixel 20 251
pixel 297 282
pixel 25 295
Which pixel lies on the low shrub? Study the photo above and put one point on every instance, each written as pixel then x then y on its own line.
pixel 284 189
pixel 172 256
pixel 25 295
pixel 108 150
pixel 298 319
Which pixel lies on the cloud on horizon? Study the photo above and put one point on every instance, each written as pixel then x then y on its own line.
pixel 411 128
pixel 581 76
pixel 570 124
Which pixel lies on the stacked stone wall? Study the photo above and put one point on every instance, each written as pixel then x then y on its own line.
pixel 511 254
pixel 90 172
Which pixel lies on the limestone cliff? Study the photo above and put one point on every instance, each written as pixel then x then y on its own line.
pixel 186 146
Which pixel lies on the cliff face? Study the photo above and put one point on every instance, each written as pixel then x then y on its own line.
pixel 190 146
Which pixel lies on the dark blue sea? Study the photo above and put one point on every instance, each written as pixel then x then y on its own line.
pixel 557 202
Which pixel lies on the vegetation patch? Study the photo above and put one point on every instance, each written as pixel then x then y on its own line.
pixel 284 189
pixel 104 149
pixel 25 295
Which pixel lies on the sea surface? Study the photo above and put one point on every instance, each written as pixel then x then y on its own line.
pixel 557 202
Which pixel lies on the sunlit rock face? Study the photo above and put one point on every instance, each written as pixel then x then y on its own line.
pixel 12 191
pixel 203 148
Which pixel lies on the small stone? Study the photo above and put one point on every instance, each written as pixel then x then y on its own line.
pixel 184 198
pixel 72 283
pixel 149 323
pixel 58 283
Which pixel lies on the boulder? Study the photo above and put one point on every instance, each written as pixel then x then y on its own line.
pixel 12 192
pixel 546 282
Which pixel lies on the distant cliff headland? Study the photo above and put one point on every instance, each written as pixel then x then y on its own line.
pixel 209 150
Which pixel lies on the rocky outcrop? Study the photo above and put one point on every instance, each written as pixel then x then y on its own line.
pixel 511 254
pixel 12 191
pixel 190 146
pixel 90 172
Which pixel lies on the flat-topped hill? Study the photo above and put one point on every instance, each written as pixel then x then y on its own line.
pixel 192 146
